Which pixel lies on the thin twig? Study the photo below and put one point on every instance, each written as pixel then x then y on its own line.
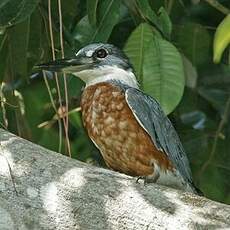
pixel 66 32
pixel 3 126
pixel 7 103
pixel 218 6
pixel 49 91
pixel 53 56
pixel 55 117
pixel 55 109
pixel 66 124
pixel 47 83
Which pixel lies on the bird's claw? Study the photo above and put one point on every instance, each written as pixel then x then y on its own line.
pixel 142 178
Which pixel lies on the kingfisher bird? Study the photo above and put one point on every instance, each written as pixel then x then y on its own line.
pixel 129 127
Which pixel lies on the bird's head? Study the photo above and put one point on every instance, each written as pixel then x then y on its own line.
pixel 96 63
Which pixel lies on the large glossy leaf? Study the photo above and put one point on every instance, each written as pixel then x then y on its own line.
pixel 108 16
pixel 136 46
pixel 194 40
pixel 163 74
pixel 92 11
pixel 221 39
pixel 16 11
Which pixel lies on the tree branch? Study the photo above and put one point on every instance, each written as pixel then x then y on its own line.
pixel 57 192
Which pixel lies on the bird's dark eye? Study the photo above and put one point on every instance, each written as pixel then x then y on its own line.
pixel 101 53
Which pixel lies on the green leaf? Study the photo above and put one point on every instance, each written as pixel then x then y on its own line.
pixel 136 46
pixel 158 66
pixel 194 40
pixel 221 39
pixel 163 74
pixel 108 17
pixel 83 31
pixel 190 73
pixel 161 23
pixel 146 12
pixel 3 2
pixel 165 22
pixel 34 51
pixel 18 37
pixel 16 11
pixel 92 11
pixel 75 119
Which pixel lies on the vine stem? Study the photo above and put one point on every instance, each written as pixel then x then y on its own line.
pixel 56 77
pixel 66 118
pixel 55 109
pixel 48 87
pixel 55 118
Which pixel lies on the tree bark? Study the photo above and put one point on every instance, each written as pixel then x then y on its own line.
pixel 56 192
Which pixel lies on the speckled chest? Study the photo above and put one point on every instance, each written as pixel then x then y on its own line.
pixel 102 108
pixel 110 123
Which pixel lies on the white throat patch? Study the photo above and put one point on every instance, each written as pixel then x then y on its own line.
pixel 105 73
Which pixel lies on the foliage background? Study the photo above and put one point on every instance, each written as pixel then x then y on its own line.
pixel 170 45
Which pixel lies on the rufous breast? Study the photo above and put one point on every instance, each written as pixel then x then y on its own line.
pixel 123 143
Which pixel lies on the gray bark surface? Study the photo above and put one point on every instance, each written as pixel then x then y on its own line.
pixel 56 192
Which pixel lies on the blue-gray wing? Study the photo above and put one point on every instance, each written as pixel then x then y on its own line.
pixel 151 117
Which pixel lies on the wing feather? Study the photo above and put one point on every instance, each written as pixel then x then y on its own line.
pixel 151 117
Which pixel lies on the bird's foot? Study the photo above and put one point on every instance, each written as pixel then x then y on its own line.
pixel 148 179
pixel 141 178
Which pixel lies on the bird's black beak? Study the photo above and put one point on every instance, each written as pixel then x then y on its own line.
pixel 72 65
